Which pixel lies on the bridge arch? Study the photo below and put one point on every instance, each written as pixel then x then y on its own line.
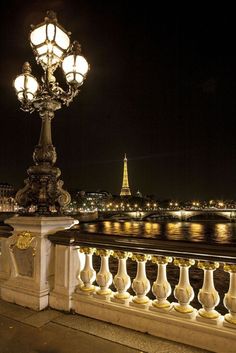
pixel 161 216
pixel 118 215
pixel 214 216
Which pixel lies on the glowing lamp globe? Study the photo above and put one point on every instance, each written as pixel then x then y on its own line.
pixel 26 84
pixel 49 41
pixel 75 66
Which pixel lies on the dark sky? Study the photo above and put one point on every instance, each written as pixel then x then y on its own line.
pixel 162 88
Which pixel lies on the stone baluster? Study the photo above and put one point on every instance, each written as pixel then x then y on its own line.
pixel 122 279
pixel 87 275
pixel 141 284
pixel 104 276
pixel 208 295
pixel 230 296
pixel 183 291
pixel 161 287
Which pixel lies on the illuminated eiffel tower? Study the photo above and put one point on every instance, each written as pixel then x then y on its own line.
pixel 125 190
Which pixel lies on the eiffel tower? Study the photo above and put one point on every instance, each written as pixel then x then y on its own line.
pixel 125 190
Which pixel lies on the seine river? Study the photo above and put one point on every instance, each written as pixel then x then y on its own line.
pixel 205 231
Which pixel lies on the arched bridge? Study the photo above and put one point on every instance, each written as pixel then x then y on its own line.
pixel 182 215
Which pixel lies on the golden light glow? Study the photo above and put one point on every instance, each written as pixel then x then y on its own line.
pixel 75 68
pixel 125 190
pixel 50 42
pixel 174 229
pixel 196 231
pixel 223 232
pixel 26 86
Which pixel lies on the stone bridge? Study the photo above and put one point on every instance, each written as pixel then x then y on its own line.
pixel 181 214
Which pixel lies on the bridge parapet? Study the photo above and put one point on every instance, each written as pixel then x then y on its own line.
pixel 180 214
pixel 79 287
pixel 204 328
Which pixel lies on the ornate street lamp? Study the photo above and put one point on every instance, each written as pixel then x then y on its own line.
pixel 52 49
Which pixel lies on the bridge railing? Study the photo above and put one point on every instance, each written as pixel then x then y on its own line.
pixel 5 233
pixel 142 302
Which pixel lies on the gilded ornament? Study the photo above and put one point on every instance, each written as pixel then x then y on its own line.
pixel 230 267
pixel 161 260
pixel 213 314
pixel 87 289
pixel 104 252
pixel 208 265
pixel 158 305
pixel 141 300
pixel 183 309
pixel 87 251
pixel 183 262
pixel 23 241
pixel 229 318
pixel 141 257
pixel 122 254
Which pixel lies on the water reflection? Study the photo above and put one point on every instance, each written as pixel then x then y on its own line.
pixel 196 232
pixel 211 232
pixel 222 232
pixel 174 230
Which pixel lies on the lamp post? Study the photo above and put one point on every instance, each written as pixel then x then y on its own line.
pixel 52 49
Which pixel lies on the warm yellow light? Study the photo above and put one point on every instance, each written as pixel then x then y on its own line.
pixel 75 68
pixel 38 36
pixel 50 42
pixel 26 86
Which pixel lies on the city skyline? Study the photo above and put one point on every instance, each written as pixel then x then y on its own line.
pixel 161 88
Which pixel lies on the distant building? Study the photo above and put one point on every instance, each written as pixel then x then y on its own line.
pixel 139 194
pixel 6 190
pixel 7 198
pixel 92 200
pixel 125 190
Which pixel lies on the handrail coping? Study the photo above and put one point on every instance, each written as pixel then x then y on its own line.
pixel 5 230
pixel 175 248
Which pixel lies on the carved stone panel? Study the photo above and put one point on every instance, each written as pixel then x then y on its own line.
pixel 23 248
pixel 24 261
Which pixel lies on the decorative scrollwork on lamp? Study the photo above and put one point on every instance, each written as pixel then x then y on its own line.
pixel 52 49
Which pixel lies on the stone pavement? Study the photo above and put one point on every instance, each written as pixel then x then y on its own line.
pixel 25 331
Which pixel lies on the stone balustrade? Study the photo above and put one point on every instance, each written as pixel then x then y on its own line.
pixel 139 302
pixel 143 304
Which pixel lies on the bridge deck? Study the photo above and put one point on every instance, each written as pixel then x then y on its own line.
pixel 24 330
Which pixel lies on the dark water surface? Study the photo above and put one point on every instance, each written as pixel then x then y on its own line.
pixel 206 231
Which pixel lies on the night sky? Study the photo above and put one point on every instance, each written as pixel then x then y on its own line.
pixel 162 88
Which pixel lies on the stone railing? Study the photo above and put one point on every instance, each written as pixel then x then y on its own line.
pixel 139 304
pixel 5 233
pixel 94 275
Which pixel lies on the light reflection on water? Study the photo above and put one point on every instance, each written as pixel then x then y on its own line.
pixel 207 231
